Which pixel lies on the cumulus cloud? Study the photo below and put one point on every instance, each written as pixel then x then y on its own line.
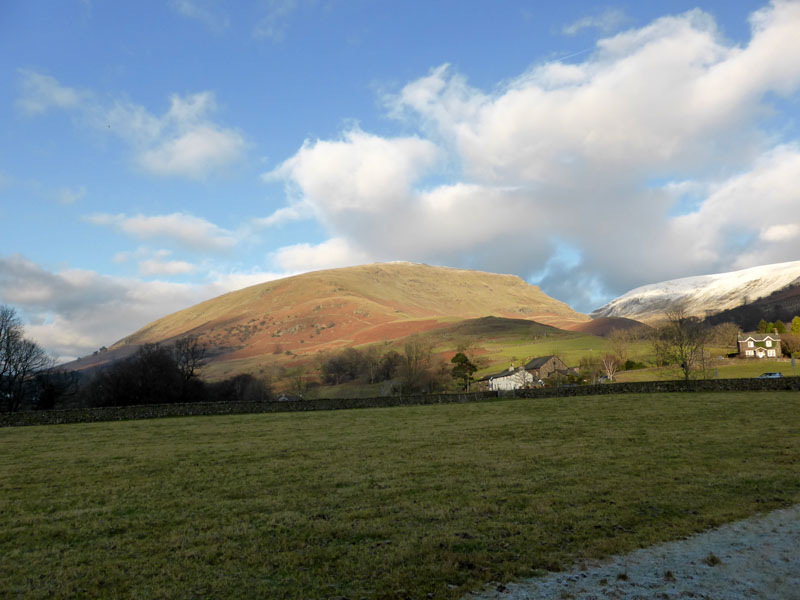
pixel 72 312
pixel 182 229
pixel 183 142
pixel 652 158
pixel 333 253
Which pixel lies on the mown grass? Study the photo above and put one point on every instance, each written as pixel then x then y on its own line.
pixel 412 502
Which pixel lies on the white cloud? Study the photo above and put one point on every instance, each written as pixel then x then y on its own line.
pixel 607 21
pixel 593 156
pixel 330 254
pixel 193 152
pixel 166 267
pixel 73 312
pixel 180 228
pixel 275 22
pixel 359 173
pixel 71 196
pixel 205 11
pixel 781 233
pixel 41 92
pixel 182 142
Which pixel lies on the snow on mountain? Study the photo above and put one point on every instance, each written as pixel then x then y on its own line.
pixel 703 294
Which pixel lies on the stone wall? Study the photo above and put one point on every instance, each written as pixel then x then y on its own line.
pixel 154 411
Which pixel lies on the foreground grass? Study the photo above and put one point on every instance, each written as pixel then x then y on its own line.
pixel 385 503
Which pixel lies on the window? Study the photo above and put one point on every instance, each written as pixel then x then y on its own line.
pixel 748 353
pixel 768 343
pixel 750 344
pixel 770 352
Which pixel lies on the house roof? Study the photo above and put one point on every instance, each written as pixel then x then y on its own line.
pixel 759 337
pixel 538 362
pixel 504 373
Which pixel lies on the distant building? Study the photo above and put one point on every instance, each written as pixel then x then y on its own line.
pixel 544 366
pixel 759 345
pixel 510 379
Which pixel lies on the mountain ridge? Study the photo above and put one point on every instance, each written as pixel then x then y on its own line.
pixel 702 295
pixel 296 317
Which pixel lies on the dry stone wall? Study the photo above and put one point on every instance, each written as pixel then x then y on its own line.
pixel 154 411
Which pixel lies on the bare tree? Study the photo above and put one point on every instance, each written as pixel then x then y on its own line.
pixel 189 355
pixel 685 339
pixel 610 364
pixel 619 340
pixel 20 361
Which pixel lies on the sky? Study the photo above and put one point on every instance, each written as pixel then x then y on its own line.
pixel 155 154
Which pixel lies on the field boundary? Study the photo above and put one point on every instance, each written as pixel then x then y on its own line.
pixel 156 411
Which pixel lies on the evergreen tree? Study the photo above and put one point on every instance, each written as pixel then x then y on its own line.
pixel 780 326
pixel 462 369
pixel 762 326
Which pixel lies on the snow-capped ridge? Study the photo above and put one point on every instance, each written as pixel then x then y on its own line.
pixel 702 294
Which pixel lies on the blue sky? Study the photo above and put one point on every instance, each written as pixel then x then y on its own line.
pixel 156 154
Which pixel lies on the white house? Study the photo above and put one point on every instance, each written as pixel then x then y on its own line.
pixel 510 379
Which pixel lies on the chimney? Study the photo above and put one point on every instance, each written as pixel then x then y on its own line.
pixel 775 331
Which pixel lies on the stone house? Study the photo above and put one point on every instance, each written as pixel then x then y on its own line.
pixel 544 366
pixel 759 345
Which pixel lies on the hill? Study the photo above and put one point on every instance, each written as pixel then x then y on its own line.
pixel 703 295
pixel 297 317
pixel 603 326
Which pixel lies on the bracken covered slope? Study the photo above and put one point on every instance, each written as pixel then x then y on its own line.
pixel 351 306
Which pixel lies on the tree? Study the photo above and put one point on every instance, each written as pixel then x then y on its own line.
pixel 20 362
pixel 780 327
pixel 590 368
pixel 762 326
pixel 189 354
pixel 685 339
pixel 151 376
pixel 796 326
pixel 790 344
pixel 418 372
pixel 610 364
pixel 463 369
pixel 724 334
pixel 619 341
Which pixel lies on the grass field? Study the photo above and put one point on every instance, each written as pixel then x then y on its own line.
pixel 727 368
pixel 412 502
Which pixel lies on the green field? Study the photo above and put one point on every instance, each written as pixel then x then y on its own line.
pixel 734 368
pixel 413 502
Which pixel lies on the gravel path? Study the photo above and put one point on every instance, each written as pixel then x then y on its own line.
pixel 755 558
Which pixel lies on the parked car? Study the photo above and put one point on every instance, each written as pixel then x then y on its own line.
pixel 770 376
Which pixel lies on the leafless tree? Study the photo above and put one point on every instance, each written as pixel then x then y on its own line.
pixel 685 338
pixel 20 361
pixel 610 364
pixel 189 355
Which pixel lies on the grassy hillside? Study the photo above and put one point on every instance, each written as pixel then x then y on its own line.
pixel 417 502
pixel 300 316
